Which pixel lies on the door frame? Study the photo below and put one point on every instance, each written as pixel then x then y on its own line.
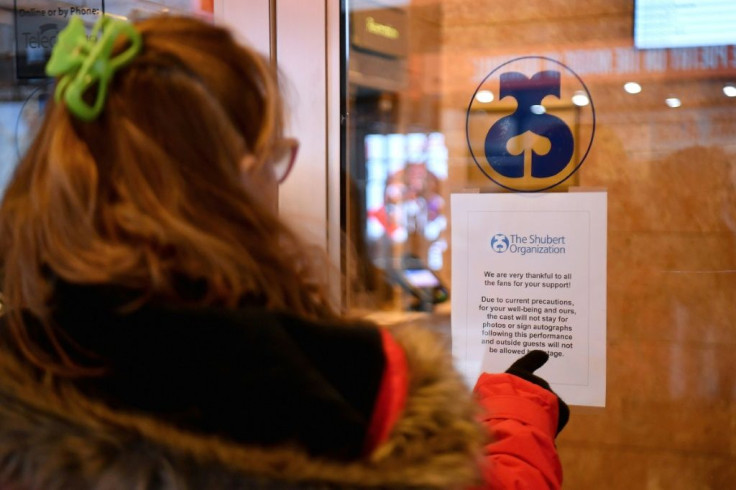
pixel 303 39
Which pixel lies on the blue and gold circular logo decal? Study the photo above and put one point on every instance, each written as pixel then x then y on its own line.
pixel 530 124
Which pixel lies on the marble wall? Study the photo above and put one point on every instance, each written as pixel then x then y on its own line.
pixel 670 419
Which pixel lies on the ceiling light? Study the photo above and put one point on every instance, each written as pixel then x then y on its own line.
pixel 580 99
pixel 729 90
pixel 484 96
pixel 673 102
pixel 632 87
pixel 537 109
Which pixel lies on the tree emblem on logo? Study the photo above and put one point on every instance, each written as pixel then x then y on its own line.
pixel 499 243
pixel 529 147
pixel 510 144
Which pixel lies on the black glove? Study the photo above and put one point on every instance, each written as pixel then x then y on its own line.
pixel 524 368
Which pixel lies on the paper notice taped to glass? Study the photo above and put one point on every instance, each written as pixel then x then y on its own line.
pixel 529 272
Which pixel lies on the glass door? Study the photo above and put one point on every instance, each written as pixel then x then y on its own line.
pixel 660 80
pixel 397 165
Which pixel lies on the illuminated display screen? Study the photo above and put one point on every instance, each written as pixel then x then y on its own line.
pixel 683 23
pixel 421 278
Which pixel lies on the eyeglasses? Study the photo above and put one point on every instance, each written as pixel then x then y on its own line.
pixel 283 158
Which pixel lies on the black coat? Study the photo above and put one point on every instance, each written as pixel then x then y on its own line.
pixel 214 398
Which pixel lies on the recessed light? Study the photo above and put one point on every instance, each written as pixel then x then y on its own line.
pixel 729 90
pixel 632 87
pixel 484 96
pixel 537 109
pixel 580 98
pixel 673 102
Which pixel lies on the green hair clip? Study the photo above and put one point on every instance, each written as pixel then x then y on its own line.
pixel 80 62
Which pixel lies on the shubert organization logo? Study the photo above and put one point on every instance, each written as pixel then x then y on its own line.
pixel 530 124
pixel 532 243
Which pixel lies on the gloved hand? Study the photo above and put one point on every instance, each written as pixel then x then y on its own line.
pixel 524 368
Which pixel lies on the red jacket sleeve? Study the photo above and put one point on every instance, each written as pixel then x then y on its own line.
pixel 522 420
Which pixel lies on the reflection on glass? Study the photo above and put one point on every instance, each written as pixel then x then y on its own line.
pixel 669 169
pixel 33 31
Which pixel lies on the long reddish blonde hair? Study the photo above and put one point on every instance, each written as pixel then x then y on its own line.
pixel 151 191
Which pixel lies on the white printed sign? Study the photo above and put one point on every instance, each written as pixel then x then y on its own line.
pixel 529 272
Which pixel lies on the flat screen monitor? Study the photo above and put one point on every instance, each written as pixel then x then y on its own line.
pixel 684 23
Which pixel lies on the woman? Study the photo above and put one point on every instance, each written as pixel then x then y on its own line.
pixel 163 328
